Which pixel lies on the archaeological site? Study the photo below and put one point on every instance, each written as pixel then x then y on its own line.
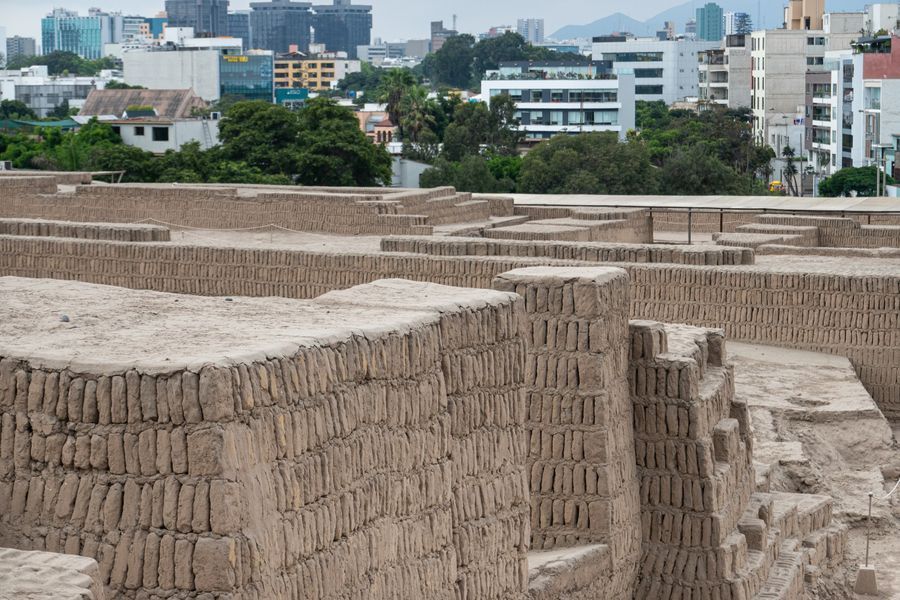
pixel 265 392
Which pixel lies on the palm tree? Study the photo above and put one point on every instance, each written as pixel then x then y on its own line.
pixel 394 86
pixel 417 112
pixel 790 170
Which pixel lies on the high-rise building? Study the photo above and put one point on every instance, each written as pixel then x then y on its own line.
pixel 738 23
pixel 710 23
pixel 209 18
pixel 343 26
pixel 67 31
pixel 279 24
pixel 17 47
pixel 531 29
pixel 3 49
pixel 690 29
pixel 239 27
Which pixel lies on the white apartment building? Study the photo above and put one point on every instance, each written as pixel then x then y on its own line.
pixel 833 103
pixel 782 60
pixel 882 17
pixel 558 103
pixel 663 70
pixel 876 101
pixel 161 135
pixel 196 70
pixel 42 92
pixel 724 76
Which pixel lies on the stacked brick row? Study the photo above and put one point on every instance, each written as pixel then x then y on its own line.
pixel 21 186
pixel 581 456
pixel 61 177
pixel 693 449
pixel 482 362
pixel 343 470
pixel 590 252
pixel 32 575
pixel 836 232
pixel 86 231
pixel 848 311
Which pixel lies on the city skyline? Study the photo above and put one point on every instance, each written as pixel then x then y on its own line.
pixel 393 19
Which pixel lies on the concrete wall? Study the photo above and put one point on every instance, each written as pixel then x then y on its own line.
pixel 197 70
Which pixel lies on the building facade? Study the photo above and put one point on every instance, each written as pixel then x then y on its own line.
pixel 804 15
pixel 738 23
pixel 247 76
pixel 239 27
pixel 313 73
pixel 725 73
pixel 439 35
pixel 531 29
pixel 42 93
pixel 279 24
pixel 343 27
pixel 207 17
pixel 710 23
pixel 20 47
pixel 663 70
pixel 877 101
pixel 67 31
pixel 550 101
pixel 882 17
pixel 158 136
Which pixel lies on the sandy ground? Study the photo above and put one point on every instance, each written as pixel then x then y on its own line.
pixel 820 432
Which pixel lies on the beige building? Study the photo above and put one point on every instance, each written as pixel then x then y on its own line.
pixel 804 14
pixel 317 73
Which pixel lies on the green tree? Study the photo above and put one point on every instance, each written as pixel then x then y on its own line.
pixel 452 64
pixel 588 163
pixel 790 170
pixel 393 89
pixel 332 150
pixel 263 135
pixel 62 63
pixel 477 128
pixel 693 171
pixel 511 47
pixel 15 109
pixel 61 111
pixel 859 180
pixel 471 174
pixel 417 113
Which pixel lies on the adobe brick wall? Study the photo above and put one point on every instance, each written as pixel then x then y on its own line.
pixel 27 575
pixel 583 481
pixel 85 231
pixel 588 251
pixel 853 314
pixel 385 440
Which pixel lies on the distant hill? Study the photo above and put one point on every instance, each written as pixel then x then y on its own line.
pixel 771 17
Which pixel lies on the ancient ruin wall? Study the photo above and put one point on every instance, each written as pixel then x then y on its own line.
pixel 328 463
pixel 84 231
pixel 853 314
pixel 583 482
pixel 584 251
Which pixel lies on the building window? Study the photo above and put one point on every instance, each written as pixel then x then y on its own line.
pixel 815 60
pixel 557 96
pixel 160 134
pixel 117 130
pixel 138 131
pixel 556 117
pixel 647 73
pixel 648 90
pixel 537 95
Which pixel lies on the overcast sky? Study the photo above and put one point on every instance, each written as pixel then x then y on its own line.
pixel 394 19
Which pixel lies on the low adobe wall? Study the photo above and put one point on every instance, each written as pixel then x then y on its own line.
pixel 266 447
pixel 84 231
pixel 852 312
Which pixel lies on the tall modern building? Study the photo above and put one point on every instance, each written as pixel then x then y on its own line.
pixel 531 29
pixel 738 23
pixel 17 47
pixel 279 24
pixel 343 26
pixel 67 31
pixel 710 23
pixel 239 27
pixel 209 18
pixel 3 49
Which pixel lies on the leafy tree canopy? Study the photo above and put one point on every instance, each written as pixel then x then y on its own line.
pixel 589 163
pixel 859 180
pixel 15 109
pixel 64 63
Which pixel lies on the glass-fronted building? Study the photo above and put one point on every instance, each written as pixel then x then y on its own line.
pixel 343 27
pixel 279 24
pixel 239 27
pixel 67 31
pixel 710 23
pixel 207 17
pixel 247 76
